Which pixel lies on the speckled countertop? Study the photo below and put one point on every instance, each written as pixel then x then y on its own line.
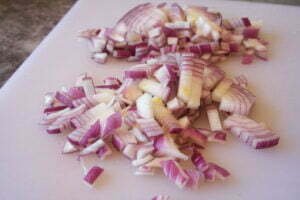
pixel 24 23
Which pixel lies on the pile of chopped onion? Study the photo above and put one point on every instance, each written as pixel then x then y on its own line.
pixel 149 31
pixel 148 115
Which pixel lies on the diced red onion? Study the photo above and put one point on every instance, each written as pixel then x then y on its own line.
pixel 88 86
pixel 144 107
pixel 194 178
pixel 144 151
pixel 117 142
pixel 241 80
pixel 184 122
pixel 164 116
pixel 217 136
pixel 130 151
pixel 76 92
pixel 142 161
pixel 172 40
pixel 64 98
pixel 69 148
pixel 250 32
pixel 175 104
pixel 175 173
pixel 100 57
pixel 154 88
pixel 89 33
pixel 121 53
pixel 92 148
pixel 246 21
pixel 254 134
pixel 199 161
pixel 111 123
pixel 92 133
pixel 213 118
pixel 165 146
pixel 150 127
pixel 237 100
pixel 92 175
pixel 103 152
pixel 139 135
pixel 135 74
pixel 195 135
pixel 144 171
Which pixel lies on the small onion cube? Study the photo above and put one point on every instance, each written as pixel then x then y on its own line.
pixel 92 175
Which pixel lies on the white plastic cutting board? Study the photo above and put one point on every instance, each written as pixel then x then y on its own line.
pixel 32 166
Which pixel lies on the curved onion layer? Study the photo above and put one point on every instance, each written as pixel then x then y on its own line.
pixel 254 134
pixel 237 100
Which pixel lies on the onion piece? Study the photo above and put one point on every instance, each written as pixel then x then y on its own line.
pixel 69 148
pixel 93 148
pixel 92 133
pixel 130 151
pixel 100 57
pixel 154 88
pixel 175 104
pixel 247 59
pixel 254 43
pixel 215 172
pixel 156 162
pixel 150 127
pixel 221 89
pixel 165 146
pixel 144 171
pixel 143 105
pixel 142 161
pixel 89 33
pixel 213 118
pixel 164 116
pixel 217 136
pixel 54 109
pixel 130 89
pixel 92 175
pixel 139 135
pixel 241 80
pixel 88 85
pixel 175 173
pixel 112 123
pixel 103 152
pixel 199 161
pixel 254 134
pixel 121 53
pixel 195 135
pixel 250 32
pixel 194 178
pixel 64 99
pixel 211 76
pixel 144 151
pixel 184 122
pixel 91 101
pixel 237 100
